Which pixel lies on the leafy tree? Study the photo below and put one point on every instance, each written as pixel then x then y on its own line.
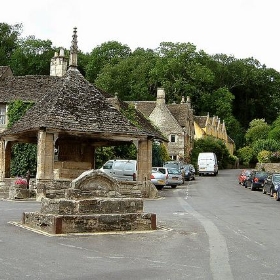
pixel 24 155
pixel 258 129
pixel 107 53
pixel 160 154
pixel 265 144
pixel 264 156
pixel 245 155
pixel 274 132
pixel 32 57
pixel 210 144
pixel 9 35
pixel 130 77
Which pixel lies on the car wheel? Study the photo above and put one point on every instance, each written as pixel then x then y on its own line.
pixel 173 187
pixel 159 187
pixel 263 191
pixel 277 196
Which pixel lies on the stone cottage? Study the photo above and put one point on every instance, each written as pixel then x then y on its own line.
pixel 212 126
pixel 175 121
pixel 70 118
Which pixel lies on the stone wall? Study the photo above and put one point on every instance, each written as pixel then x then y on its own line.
pixel 269 167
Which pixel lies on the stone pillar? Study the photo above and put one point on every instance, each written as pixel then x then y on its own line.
pixel 144 160
pixel 45 156
pixel 2 161
pixel 5 159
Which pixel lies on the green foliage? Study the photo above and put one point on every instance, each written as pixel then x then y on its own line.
pixel 160 154
pixel 24 156
pixel 245 155
pixel 264 156
pixel 274 132
pixel 16 110
pixel 9 35
pixel 265 144
pixel 103 154
pixel 32 57
pixel 258 129
pixel 210 144
pixel 109 53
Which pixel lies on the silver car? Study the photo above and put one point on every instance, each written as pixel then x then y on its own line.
pixel 158 179
pixel 173 176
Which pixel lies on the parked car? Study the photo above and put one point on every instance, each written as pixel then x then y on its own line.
pixel 189 172
pixel 277 194
pixel 271 184
pixel 243 176
pixel 173 176
pixel 175 164
pixel 158 179
pixel 121 169
pixel 256 179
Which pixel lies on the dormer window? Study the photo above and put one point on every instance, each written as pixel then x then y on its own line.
pixel 173 138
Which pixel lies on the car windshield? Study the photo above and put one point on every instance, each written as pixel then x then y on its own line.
pixel 173 171
pixel 277 178
pixel 261 174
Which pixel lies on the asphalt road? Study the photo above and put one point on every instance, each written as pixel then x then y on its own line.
pixel 210 228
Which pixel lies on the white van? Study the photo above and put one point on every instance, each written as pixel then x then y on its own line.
pixel 121 169
pixel 207 163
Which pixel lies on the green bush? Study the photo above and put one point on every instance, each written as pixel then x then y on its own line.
pixel 264 156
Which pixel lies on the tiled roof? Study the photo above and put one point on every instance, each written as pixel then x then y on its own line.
pixel 144 122
pixel 70 104
pixel 145 107
pixel 200 120
pixel 180 112
pixel 27 88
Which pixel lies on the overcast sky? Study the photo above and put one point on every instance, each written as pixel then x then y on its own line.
pixel 242 28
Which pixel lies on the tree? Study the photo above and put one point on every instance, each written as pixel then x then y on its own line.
pixel 32 57
pixel 258 129
pixel 107 53
pixel 130 77
pixel 9 35
pixel 274 132
pixel 24 155
pixel 210 144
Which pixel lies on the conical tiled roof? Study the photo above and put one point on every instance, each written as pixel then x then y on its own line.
pixel 73 105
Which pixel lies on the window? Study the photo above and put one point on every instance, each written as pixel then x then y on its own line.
pixel 2 114
pixel 172 138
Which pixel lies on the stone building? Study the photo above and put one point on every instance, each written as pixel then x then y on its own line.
pixel 70 118
pixel 175 121
pixel 212 126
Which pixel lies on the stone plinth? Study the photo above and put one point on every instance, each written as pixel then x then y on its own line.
pixel 18 192
pixel 92 204
pixel 65 224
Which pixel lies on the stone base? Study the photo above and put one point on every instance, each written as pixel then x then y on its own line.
pixel 19 192
pixel 66 224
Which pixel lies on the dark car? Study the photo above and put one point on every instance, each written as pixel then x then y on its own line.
pixel 256 179
pixel 189 172
pixel 271 184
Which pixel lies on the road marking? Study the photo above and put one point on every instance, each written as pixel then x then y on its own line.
pixel 219 257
